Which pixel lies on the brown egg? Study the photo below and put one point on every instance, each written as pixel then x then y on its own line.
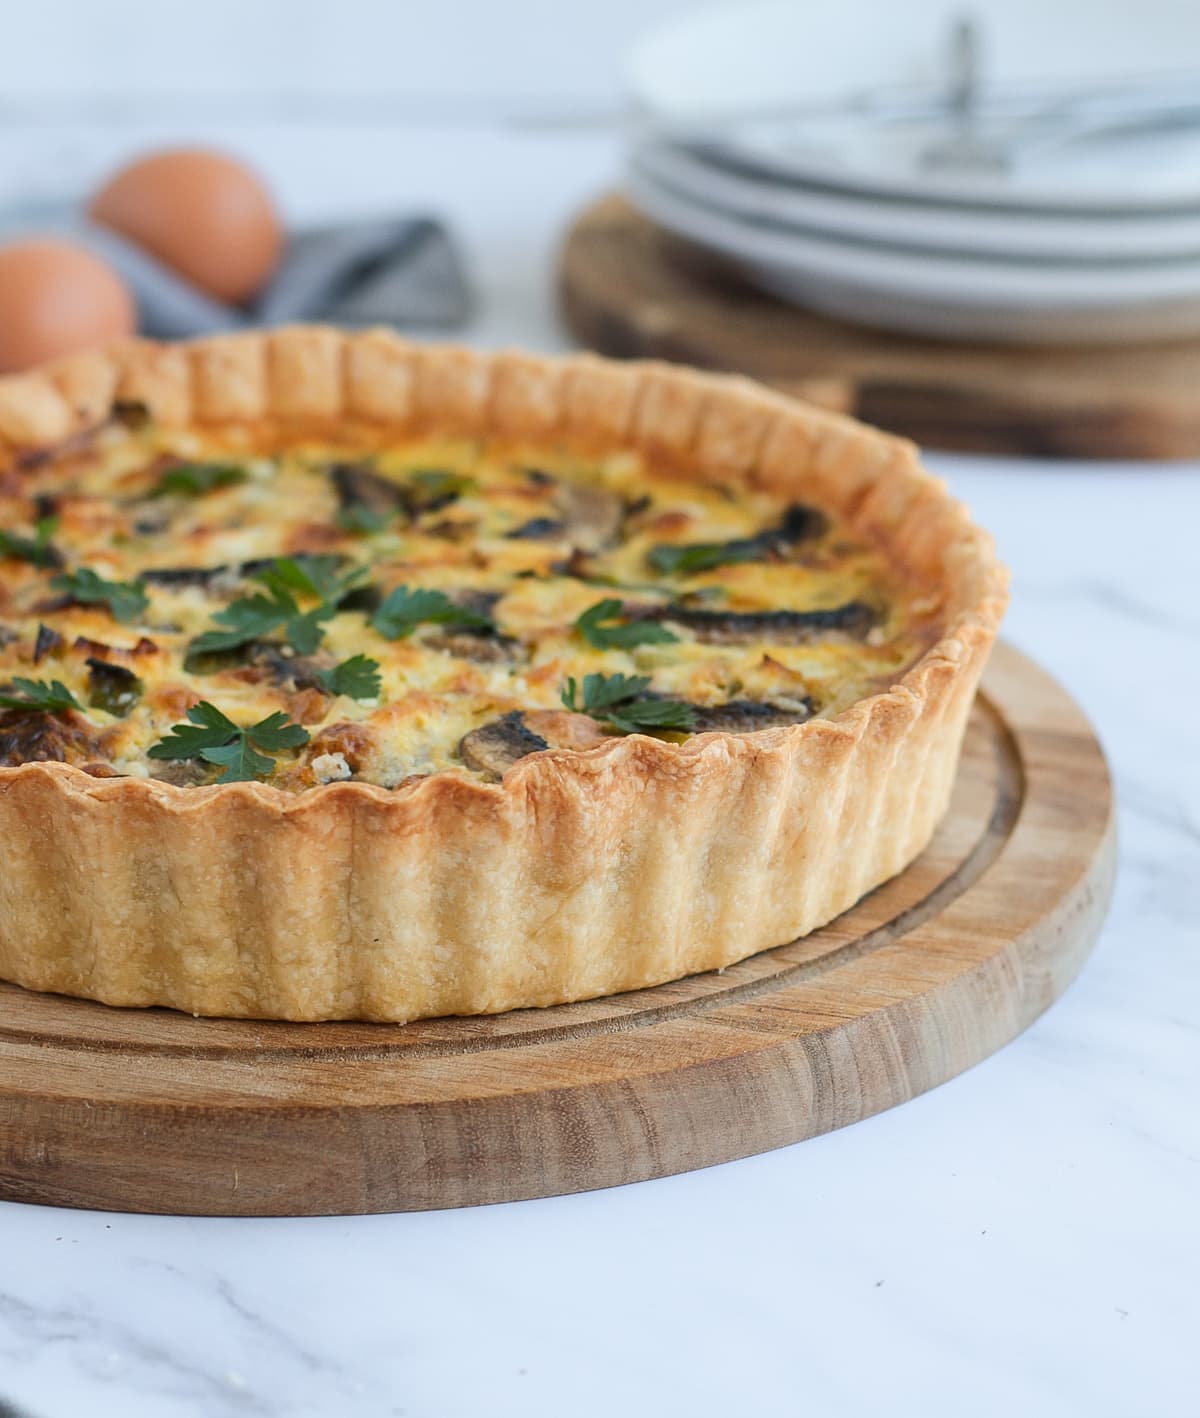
pixel 205 215
pixel 56 298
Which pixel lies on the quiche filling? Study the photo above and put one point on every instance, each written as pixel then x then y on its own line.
pixel 196 613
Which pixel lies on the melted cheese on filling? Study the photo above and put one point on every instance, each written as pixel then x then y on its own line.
pixel 586 532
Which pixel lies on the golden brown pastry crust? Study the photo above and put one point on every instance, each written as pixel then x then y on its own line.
pixel 581 873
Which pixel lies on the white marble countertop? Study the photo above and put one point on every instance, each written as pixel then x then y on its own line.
pixel 1024 1240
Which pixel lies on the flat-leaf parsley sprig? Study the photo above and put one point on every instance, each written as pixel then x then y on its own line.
pixel 38 550
pixel 36 696
pixel 253 617
pixel 406 608
pixel 242 752
pixel 126 600
pixel 619 700
pixel 600 626
pixel 365 521
pixel 431 489
pixel 318 576
pixel 195 479
pixel 356 678
pixel 702 556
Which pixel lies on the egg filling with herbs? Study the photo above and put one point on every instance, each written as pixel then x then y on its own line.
pixel 199 612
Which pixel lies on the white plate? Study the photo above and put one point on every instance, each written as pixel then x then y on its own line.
pixel 780 52
pixel 958 230
pixel 948 298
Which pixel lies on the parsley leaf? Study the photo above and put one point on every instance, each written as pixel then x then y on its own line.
pixel 126 600
pixel 356 678
pixel 195 479
pixel 37 550
pixel 602 691
pixel 653 714
pixel 619 637
pixel 214 737
pixel 249 618
pixel 799 523
pixel 253 617
pixel 305 631
pixel 405 609
pixel 432 488
pixel 39 697
pixel 701 556
pixel 276 732
pixel 240 760
pixel 316 576
pixel 208 728
pixel 615 699
pixel 364 520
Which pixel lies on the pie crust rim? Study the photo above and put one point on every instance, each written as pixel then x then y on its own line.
pixel 580 873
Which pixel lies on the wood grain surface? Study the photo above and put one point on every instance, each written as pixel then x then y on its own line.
pixel 630 290
pixel 150 1110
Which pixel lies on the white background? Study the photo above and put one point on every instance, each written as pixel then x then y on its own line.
pixel 1023 1240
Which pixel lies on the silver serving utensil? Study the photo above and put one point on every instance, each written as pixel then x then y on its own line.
pixel 1072 118
pixel 966 149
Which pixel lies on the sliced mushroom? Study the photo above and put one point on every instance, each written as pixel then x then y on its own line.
pixel 852 620
pixel 481 647
pixel 85 645
pixel 261 563
pixel 112 687
pixel 539 529
pixel 48 642
pixel 51 605
pixel 494 748
pixel 741 716
pixel 450 531
pixel 360 488
pixel 586 516
pixel 130 413
pixel 181 772
pixel 288 671
pixel 633 510
pixel 480 601
pixel 576 565
pixel 431 489
pixel 593 515
pixel 27 737
pixel 183 575
pixel 482 643
pixel 799 523
pixel 205 575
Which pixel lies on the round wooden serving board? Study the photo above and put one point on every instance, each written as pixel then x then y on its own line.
pixel 149 1110
pixel 629 289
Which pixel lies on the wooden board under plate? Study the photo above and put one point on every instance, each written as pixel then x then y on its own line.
pixel 631 290
pixel 150 1110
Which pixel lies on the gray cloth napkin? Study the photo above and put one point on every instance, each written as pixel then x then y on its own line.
pixel 401 271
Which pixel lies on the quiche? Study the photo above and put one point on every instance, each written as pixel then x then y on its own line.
pixel 347 678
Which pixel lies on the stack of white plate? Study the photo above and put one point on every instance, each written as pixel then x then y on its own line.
pixel 820 147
